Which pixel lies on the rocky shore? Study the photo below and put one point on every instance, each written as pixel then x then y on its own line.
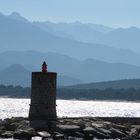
pixel 85 128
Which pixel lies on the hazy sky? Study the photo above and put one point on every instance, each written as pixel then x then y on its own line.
pixel 108 12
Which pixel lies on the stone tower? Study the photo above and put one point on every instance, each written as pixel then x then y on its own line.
pixel 43 95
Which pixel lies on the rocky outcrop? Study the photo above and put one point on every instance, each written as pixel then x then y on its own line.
pixel 69 129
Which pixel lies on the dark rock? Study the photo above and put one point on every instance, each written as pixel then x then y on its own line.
pixel 98 125
pixel 79 123
pixel 2 131
pixel 127 138
pixel 62 121
pixel 2 128
pixel 58 136
pixel 89 130
pixel 7 134
pixel 27 134
pixel 7 120
pixel 95 132
pixel 72 138
pixel 1 122
pixel 79 135
pixel 48 139
pixel 17 119
pixel 88 124
pixel 138 128
pixel 101 135
pixel 134 133
pixel 67 128
pixel 86 119
pixel 44 134
pixel 120 127
pixel 24 124
pixel 107 123
pixel 90 137
pixel 13 126
pixel 117 133
pixel 6 123
pixel 108 133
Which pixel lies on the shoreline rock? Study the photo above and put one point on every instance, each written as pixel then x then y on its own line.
pixel 83 128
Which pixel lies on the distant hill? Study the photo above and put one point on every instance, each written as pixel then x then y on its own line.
pixel 16 74
pixel 123 38
pixel 17 16
pixel 100 27
pixel 17 33
pixel 77 71
pixel 118 84
pixel 67 80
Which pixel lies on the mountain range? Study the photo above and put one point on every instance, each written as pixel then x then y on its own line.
pixel 17 33
pixel 70 70
pixel 127 38
pixel 78 52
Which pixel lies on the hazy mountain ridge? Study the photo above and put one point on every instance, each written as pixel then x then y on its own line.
pixel 100 27
pixel 17 34
pixel 89 70
pixel 76 31
pixel 16 75
pixel 17 16
pixel 123 38
pixel 92 33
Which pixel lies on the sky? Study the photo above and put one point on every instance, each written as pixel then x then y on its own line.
pixel 113 13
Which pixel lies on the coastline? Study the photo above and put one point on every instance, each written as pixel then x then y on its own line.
pixel 123 101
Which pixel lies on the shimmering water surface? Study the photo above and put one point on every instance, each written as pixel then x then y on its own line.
pixel 72 108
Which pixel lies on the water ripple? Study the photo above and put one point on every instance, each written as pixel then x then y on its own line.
pixel 72 108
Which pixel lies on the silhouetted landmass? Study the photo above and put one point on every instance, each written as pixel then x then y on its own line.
pixel 97 94
pixel 14 91
pixel 80 94
pixel 117 84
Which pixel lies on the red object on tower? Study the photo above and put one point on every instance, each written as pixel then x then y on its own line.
pixel 44 67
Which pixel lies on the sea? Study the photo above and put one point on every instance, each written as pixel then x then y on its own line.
pixel 11 107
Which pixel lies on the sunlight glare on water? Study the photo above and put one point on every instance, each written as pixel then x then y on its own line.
pixel 72 108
